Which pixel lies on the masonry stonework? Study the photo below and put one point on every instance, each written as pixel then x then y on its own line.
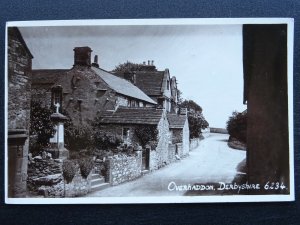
pixel 124 168
pixel 19 85
pixel 45 178
pixel 160 157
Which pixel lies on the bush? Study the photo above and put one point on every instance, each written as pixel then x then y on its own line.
pixel 79 138
pixel 237 126
pixel 41 127
pixel 146 134
pixel 86 165
pixel 104 141
pixel 69 170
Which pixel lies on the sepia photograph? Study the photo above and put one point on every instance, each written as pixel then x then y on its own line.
pixel 149 111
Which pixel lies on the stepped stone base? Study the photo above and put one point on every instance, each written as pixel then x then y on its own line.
pixel 61 153
pixel 98 183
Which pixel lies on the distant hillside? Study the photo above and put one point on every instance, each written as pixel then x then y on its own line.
pixel 218 130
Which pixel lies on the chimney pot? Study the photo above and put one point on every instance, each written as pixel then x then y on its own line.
pixel 95 63
pixel 148 62
pixel 152 62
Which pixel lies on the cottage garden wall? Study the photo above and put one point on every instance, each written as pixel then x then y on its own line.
pixel 122 167
pixel 45 178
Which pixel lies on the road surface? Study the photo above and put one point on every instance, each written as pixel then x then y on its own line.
pixel 212 162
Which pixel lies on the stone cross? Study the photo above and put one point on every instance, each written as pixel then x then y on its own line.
pixel 57 105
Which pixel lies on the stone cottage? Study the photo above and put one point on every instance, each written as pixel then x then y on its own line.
pixel 162 88
pixel 179 132
pixel 123 123
pixel 86 90
pixel 19 68
pixel 158 85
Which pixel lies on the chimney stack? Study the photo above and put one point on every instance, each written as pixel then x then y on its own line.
pixel 148 62
pixel 144 63
pixel 95 63
pixel 82 56
pixel 183 111
pixel 152 62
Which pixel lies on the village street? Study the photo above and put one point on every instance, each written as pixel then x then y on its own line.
pixel 212 162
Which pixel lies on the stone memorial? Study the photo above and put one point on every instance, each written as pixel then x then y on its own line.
pixel 57 148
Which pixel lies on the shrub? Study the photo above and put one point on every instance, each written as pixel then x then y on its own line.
pixel 146 134
pixel 41 127
pixel 79 138
pixel 237 126
pixel 86 165
pixel 104 141
pixel 69 170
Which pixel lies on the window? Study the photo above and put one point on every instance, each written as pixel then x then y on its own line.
pixel 126 134
pixel 168 84
pixel 56 93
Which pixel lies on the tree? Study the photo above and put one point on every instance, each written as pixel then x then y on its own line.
pixel 129 67
pixel 237 126
pixel 41 127
pixel 191 106
pixel 197 122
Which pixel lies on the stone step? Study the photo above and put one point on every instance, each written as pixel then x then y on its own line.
pixel 145 172
pixel 99 180
pixel 99 187
pixel 95 176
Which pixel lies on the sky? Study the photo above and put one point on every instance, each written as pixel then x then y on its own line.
pixel 205 59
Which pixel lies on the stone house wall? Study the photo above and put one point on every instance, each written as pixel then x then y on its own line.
pixel 41 93
pixel 160 156
pixel 19 83
pixel 186 138
pixel 181 137
pixel 122 168
pixel 84 94
pixel 171 152
pixel 18 106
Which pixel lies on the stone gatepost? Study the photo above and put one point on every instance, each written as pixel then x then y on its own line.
pixel 57 143
pixel 17 162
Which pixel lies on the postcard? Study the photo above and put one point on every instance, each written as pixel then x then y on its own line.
pixel 149 111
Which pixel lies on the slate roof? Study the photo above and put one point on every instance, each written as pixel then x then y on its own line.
pixel 149 82
pixel 176 121
pixel 122 86
pixel 47 76
pixel 124 115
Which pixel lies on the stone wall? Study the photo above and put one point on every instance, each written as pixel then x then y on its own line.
pixel 194 143
pixel 41 93
pixel 186 138
pixel 160 156
pixel 179 150
pixel 45 178
pixel 122 168
pixel 44 175
pixel 172 152
pixel 19 83
pixel 18 117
